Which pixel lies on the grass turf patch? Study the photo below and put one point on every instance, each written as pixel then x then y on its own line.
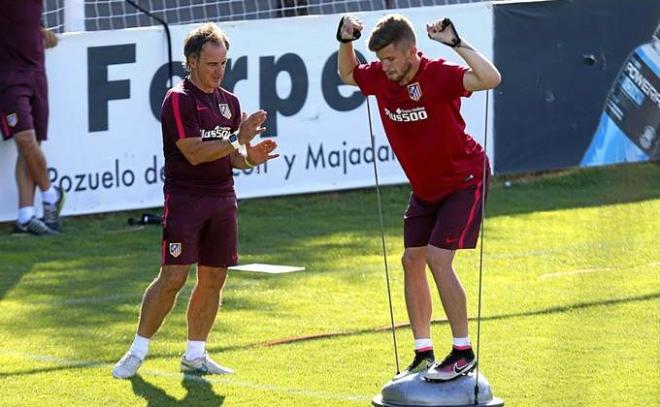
pixel 570 301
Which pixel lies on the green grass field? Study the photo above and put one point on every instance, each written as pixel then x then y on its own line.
pixel 570 302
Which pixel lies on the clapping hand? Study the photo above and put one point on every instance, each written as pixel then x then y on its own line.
pixel 261 152
pixel 251 126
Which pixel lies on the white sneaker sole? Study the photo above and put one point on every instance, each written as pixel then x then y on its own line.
pixel 436 376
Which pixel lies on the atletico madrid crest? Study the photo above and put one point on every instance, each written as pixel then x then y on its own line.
pixel 175 249
pixel 415 91
pixel 12 119
pixel 225 111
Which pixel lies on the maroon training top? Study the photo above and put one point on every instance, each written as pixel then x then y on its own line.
pixel 189 112
pixel 21 41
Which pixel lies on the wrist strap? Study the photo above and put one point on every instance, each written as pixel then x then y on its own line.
pixel 234 143
pixel 456 41
pixel 247 162
pixel 356 34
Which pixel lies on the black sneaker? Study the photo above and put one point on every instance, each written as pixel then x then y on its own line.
pixel 422 361
pixel 52 211
pixel 458 362
pixel 34 226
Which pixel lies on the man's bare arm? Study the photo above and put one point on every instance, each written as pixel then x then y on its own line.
pixel 482 73
pixel 349 29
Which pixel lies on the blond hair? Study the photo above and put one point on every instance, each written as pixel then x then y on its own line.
pixel 391 29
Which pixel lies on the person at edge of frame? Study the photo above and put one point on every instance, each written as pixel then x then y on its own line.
pixel 24 112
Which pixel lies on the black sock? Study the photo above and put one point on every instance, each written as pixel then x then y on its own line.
pixel 425 354
pixel 464 351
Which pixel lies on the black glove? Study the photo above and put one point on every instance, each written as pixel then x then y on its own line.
pixel 356 33
pixel 456 41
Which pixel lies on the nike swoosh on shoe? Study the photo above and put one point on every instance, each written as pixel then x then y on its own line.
pixel 458 369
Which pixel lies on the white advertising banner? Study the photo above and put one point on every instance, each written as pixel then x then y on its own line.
pixel 105 148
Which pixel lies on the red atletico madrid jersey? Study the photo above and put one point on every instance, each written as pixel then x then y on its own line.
pixel 424 126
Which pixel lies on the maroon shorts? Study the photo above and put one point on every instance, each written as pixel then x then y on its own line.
pixel 451 223
pixel 23 103
pixel 200 229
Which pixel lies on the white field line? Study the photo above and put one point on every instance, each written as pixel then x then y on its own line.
pixel 267 387
pixel 594 270
pixel 571 273
pixel 77 301
pixel 184 293
pixel 95 300
pixel 324 395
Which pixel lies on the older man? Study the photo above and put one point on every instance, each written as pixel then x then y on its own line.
pixel 205 136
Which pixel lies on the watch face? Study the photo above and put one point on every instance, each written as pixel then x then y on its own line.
pixel 233 137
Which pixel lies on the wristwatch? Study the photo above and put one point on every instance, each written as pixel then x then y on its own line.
pixel 233 140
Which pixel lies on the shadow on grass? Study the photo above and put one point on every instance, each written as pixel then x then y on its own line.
pixel 545 311
pixel 572 188
pixel 11 276
pixel 198 392
pixel 93 263
pixel 355 212
pixel 322 335
pixel 575 188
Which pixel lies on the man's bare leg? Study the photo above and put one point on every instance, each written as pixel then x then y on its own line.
pixel 418 304
pixel 417 293
pixel 450 288
pixel 159 298
pixel 202 310
pixel 205 301
pixel 35 160
pixel 24 182
pixel 461 359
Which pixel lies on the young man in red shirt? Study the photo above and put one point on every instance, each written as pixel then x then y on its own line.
pixel 419 104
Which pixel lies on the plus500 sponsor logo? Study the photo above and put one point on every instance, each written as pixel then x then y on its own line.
pixel 406 115
pixel 215 134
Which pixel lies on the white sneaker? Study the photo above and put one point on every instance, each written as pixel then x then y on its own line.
pixel 34 226
pixel 203 365
pixel 52 211
pixel 127 366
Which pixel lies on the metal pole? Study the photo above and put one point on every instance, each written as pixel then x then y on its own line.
pixel 481 248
